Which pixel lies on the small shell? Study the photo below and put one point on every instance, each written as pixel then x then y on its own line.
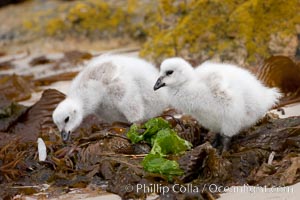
pixel 42 149
pixel 271 157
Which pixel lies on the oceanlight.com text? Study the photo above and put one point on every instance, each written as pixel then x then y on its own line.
pixel 213 188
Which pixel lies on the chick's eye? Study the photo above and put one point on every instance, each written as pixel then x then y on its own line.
pixel 169 72
pixel 67 119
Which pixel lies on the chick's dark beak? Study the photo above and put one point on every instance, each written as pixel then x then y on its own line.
pixel 65 135
pixel 159 83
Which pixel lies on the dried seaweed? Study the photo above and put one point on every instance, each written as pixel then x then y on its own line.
pixel 101 153
pixel 283 73
pixel 38 118
pixel 204 161
pixel 279 173
pixel 76 57
pixel 40 60
pixel 67 76
pixel 15 87
pixel 9 113
pixel 6 65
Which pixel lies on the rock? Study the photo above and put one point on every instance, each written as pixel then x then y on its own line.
pixel 283 45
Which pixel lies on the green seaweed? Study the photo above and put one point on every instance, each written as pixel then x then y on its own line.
pixel 152 127
pixel 154 163
pixel 164 141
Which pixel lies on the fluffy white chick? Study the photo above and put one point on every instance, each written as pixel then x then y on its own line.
pixel 222 97
pixel 114 87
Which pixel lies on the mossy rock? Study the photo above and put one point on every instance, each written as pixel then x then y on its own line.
pixel 213 29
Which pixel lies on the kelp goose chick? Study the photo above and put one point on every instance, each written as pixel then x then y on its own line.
pixel 114 87
pixel 222 97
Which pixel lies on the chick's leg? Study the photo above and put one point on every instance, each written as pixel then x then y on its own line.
pixel 225 143
pixel 217 141
pixel 221 142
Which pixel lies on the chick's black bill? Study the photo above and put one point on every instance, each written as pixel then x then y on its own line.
pixel 65 135
pixel 159 83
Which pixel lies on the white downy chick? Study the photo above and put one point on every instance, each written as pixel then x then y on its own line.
pixel 224 98
pixel 114 87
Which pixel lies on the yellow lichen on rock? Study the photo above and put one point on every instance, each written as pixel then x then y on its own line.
pixel 213 29
pixel 256 20
pixel 54 26
pixel 81 17
pixel 239 31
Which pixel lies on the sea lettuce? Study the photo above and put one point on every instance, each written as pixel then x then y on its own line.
pixel 151 127
pixel 164 141
pixel 167 142
pixel 154 163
